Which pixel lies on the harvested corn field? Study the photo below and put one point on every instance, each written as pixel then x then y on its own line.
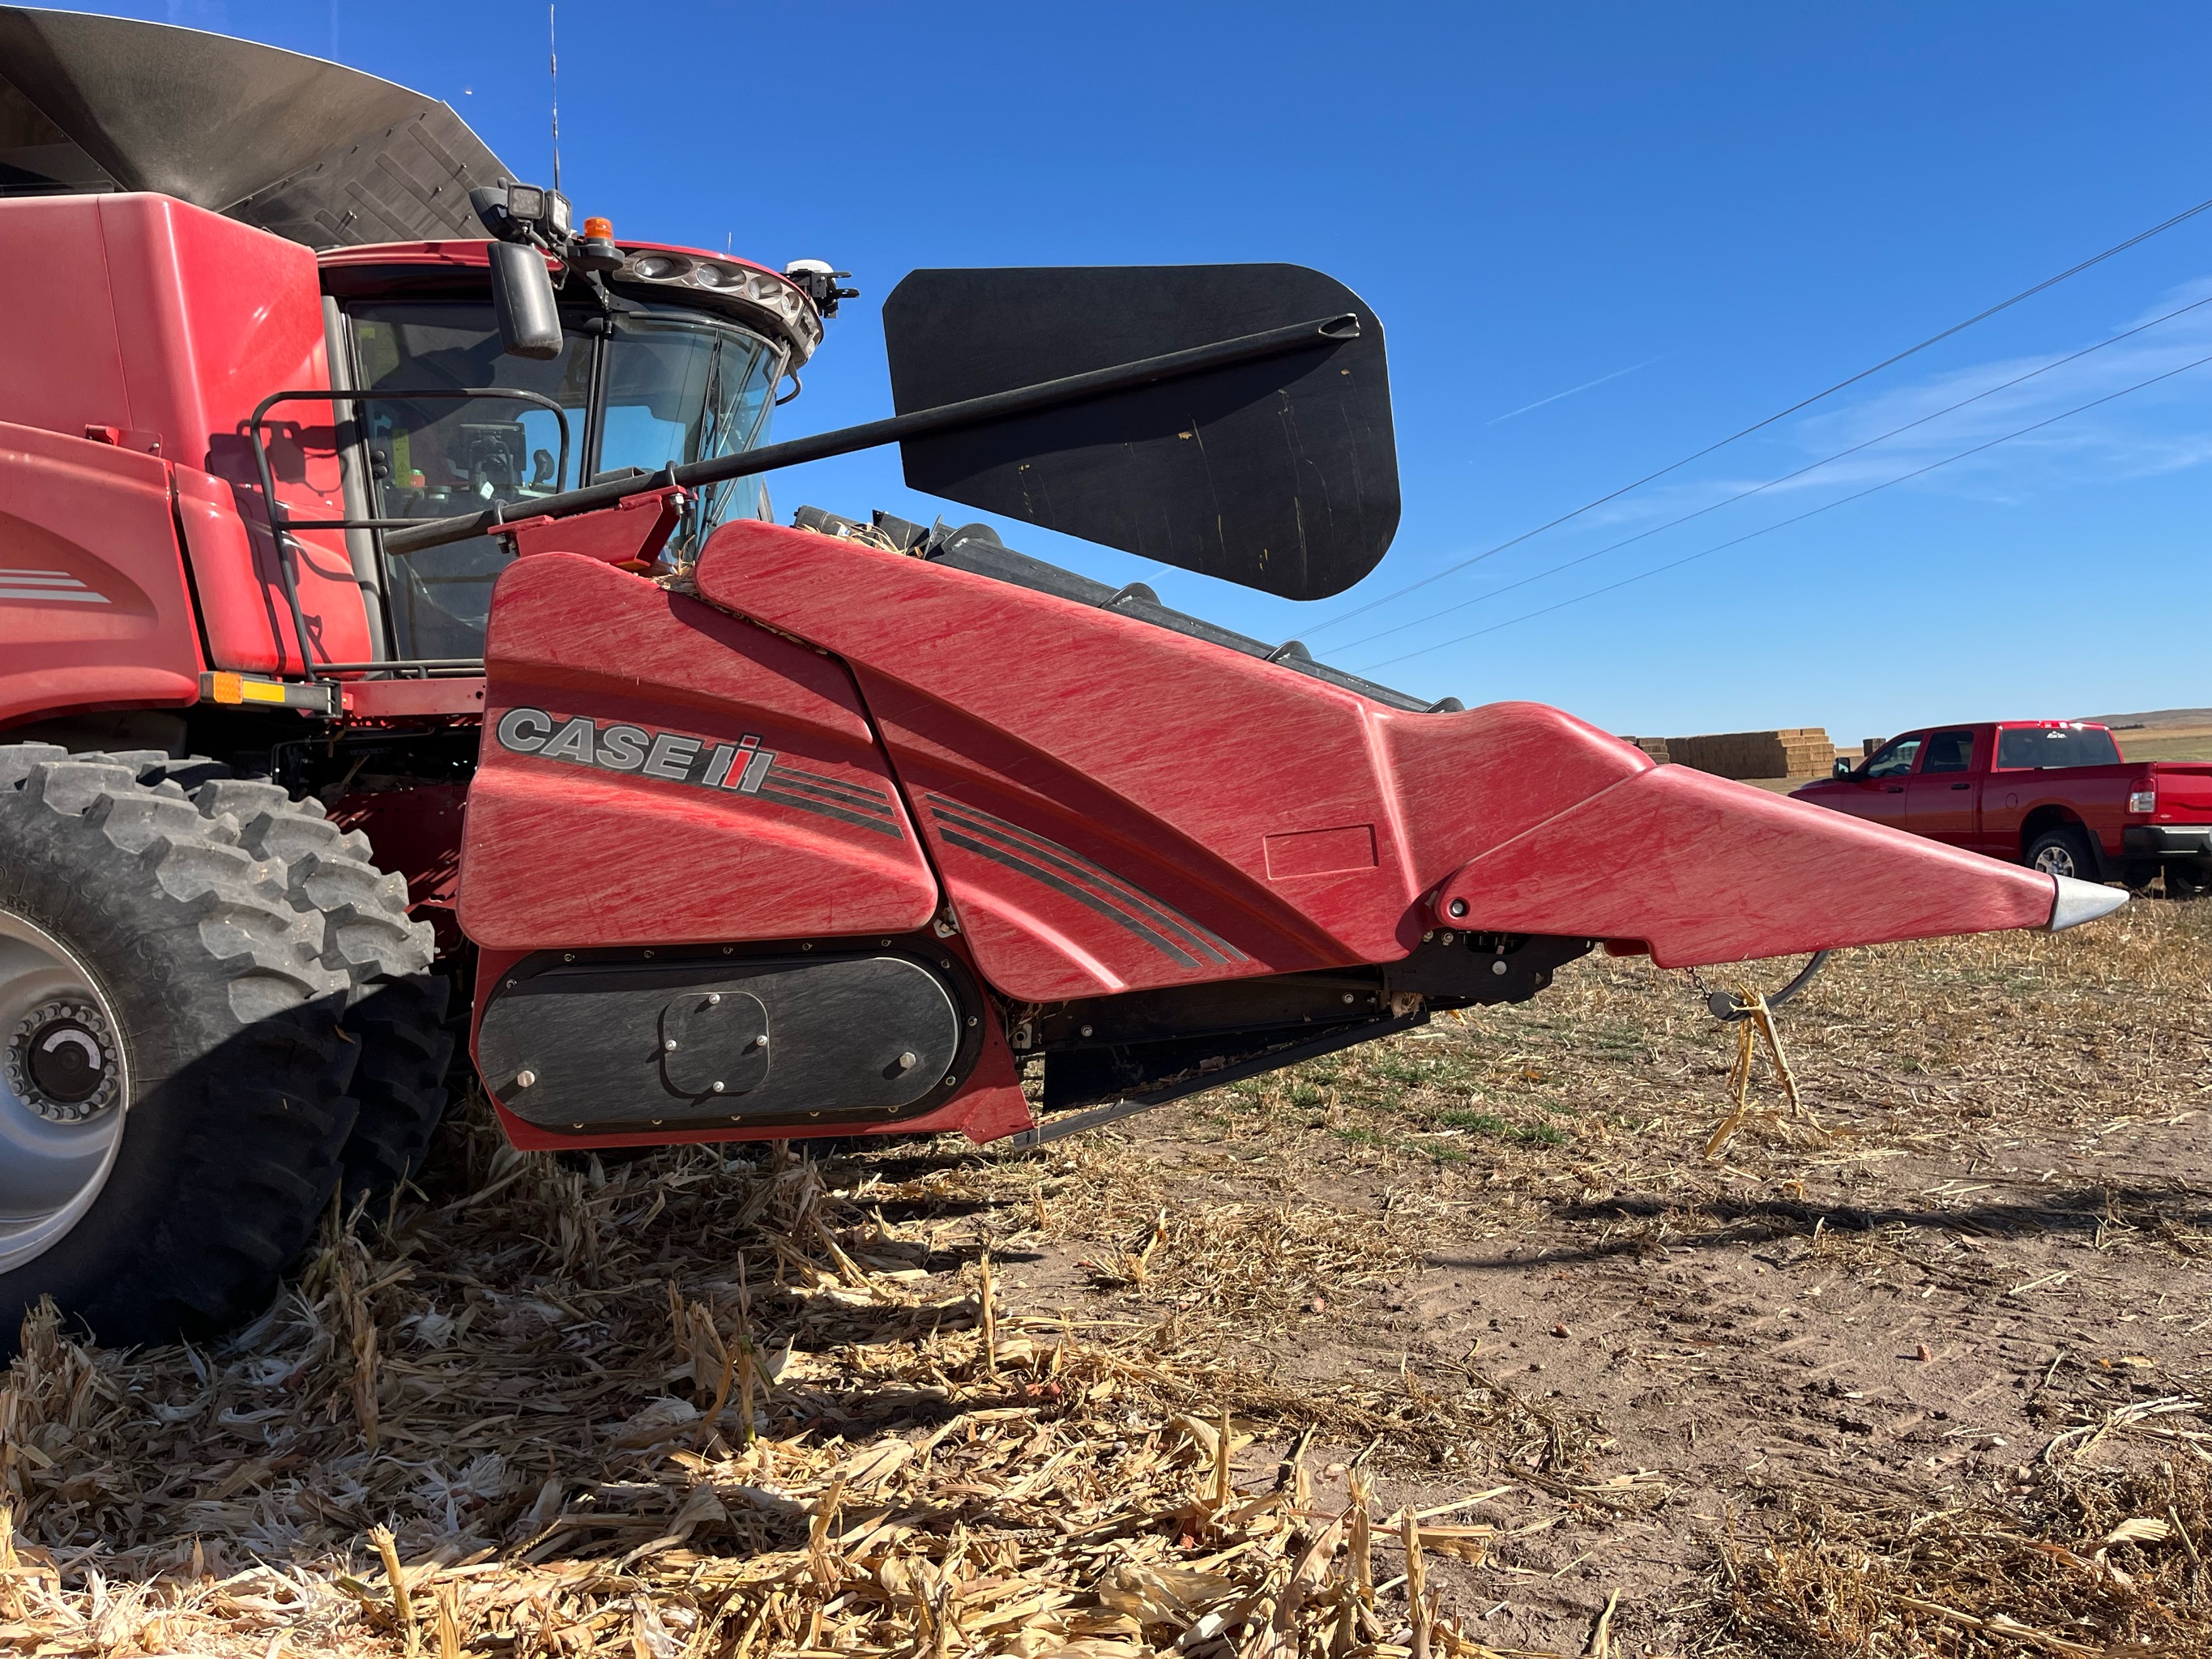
pixel 1922 1366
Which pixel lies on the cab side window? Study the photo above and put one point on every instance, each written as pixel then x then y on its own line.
pixel 1894 758
pixel 1949 752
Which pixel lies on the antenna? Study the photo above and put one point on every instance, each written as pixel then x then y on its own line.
pixel 553 65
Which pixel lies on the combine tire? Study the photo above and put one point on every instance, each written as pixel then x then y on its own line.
pixel 395 1006
pixel 2064 851
pixel 173 1104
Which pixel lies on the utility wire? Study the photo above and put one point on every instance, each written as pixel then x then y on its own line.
pixel 1803 402
pixel 1744 495
pixel 1784 523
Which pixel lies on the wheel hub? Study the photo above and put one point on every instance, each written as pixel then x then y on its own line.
pixel 62 1063
pixel 64 1091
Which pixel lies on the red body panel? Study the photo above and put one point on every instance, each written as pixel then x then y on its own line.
pixel 94 608
pixel 408 699
pixel 1112 805
pixel 1048 746
pixel 561 851
pixel 159 326
pixel 243 610
pixel 1704 871
pixel 2000 810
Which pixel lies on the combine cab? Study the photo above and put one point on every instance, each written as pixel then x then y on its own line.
pixel 396 650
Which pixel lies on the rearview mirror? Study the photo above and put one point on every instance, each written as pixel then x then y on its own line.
pixel 522 301
pixel 1277 472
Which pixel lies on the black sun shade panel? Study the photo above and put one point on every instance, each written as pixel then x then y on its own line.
pixel 1279 473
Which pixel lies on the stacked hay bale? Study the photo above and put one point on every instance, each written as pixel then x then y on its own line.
pixel 1655 747
pixel 1795 751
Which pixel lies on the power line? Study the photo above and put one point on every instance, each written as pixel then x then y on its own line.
pixel 1904 477
pixel 1756 489
pixel 1803 402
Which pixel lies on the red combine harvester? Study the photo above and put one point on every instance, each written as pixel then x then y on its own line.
pixel 394 645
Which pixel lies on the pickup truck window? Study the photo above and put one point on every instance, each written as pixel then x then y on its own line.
pixel 1950 752
pixel 1894 758
pixel 2053 746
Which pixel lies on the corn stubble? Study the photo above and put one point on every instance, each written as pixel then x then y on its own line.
pixel 684 1406
pixel 690 1405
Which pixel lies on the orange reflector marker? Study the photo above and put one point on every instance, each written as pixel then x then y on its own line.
pixel 225 686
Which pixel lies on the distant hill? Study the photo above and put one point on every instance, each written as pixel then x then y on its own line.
pixel 2156 719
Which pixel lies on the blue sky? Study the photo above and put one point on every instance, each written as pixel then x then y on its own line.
pixel 1600 237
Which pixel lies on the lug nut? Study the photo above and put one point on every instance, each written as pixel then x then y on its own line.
pixel 526 1080
pixel 908 1060
pixel 713 998
pixel 718 1088
pixel 668 1045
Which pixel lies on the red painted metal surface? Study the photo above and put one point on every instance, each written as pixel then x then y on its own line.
pixel 1704 870
pixel 243 611
pixel 586 850
pixel 1100 793
pixel 162 326
pixel 370 701
pixel 95 612
pixel 1116 807
pixel 635 528
pixel 1112 805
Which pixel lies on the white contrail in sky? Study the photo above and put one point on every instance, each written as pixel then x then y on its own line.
pixel 1571 390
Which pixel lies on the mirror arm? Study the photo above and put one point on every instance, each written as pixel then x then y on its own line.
pixel 1323 331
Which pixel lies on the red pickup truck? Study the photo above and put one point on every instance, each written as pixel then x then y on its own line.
pixel 2053 794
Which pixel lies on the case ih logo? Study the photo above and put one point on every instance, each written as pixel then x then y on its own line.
pixel 583 741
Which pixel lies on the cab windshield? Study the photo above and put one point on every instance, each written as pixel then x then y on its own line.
pixel 634 392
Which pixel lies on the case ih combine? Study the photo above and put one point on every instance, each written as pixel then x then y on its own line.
pixel 393 647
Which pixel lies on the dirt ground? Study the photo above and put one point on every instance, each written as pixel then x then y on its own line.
pixel 1995 1235
pixel 1922 1366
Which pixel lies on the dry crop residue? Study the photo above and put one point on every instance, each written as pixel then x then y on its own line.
pixel 1923 1373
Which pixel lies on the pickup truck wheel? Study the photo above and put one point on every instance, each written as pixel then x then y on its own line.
pixel 2064 851
pixel 2183 882
pixel 172 1078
